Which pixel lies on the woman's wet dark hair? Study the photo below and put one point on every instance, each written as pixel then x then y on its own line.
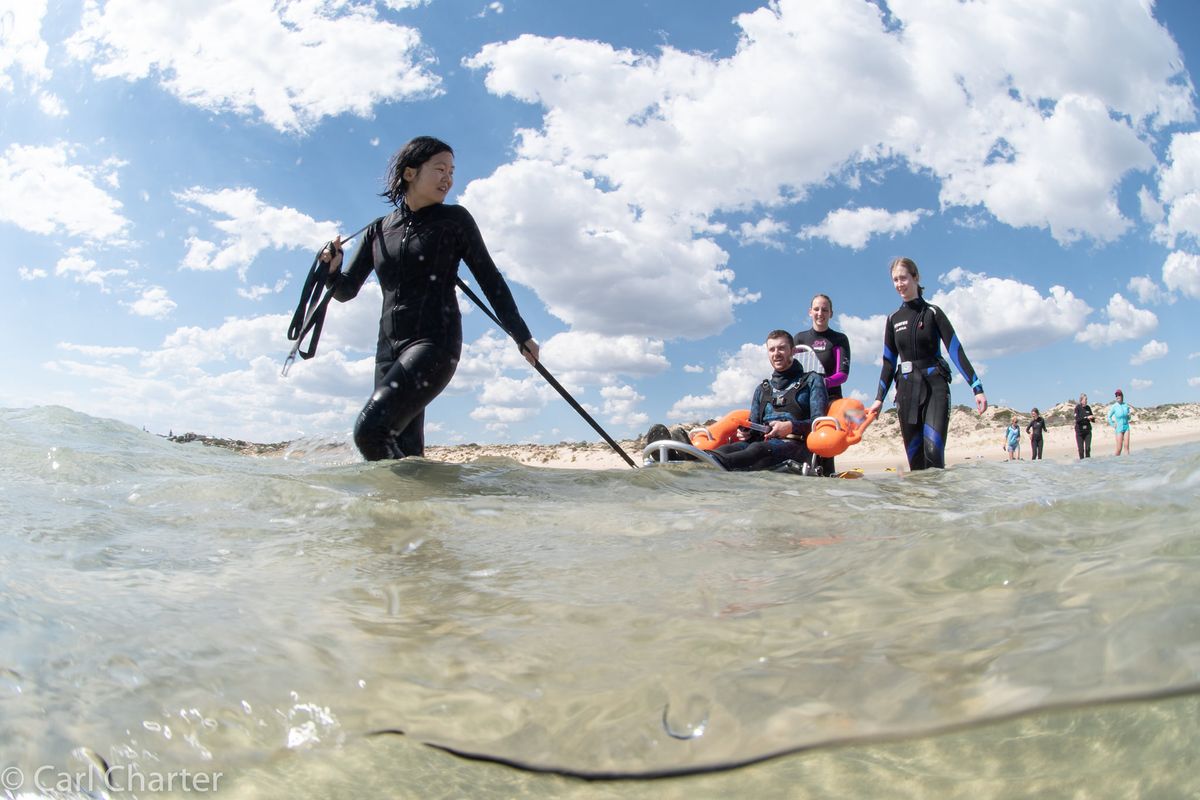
pixel 413 154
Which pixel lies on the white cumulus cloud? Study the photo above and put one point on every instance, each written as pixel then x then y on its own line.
pixel 854 227
pixel 1002 316
pixel 621 406
pixel 43 192
pixel 1179 190
pixel 765 232
pixel 79 267
pixel 1147 291
pixel 733 387
pixel 292 62
pixel 619 261
pixel 1150 351
pixel 249 226
pixel 22 50
pixel 154 302
pixel 1181 273
pixel 1125 321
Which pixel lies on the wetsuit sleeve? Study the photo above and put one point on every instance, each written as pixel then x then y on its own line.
pixel 818 398
pixel 756 405
pixel 479 261
pixel 888 373
pixel 954 349
pixel 841 364
pixel 347 282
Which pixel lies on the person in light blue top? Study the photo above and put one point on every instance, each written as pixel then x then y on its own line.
pixel 1013 440
pixel 1118 417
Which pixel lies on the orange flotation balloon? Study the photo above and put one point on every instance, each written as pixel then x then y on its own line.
pixel 844 426
pixel 720 432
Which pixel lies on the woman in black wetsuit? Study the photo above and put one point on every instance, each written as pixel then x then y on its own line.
pixel 415 251
pixel 832 349
pixel 912 357
pixel 1035 429
pixel 1084 417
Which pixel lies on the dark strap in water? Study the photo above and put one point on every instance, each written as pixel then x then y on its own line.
pixel 549 378
pixel 1081 704
pixel 310 312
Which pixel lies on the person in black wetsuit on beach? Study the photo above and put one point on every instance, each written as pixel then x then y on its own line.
pixel 1035 429
pixel 1084 417
pixel 415 251
pixel 832 349
pixel 912 357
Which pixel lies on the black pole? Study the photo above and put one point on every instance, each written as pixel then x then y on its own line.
pixel 558 387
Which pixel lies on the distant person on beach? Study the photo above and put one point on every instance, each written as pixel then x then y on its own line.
pixel 832 349
pixel 1083 427
pixel 1012 440
pixel 1035 429
pixel 415 251
pixel 1118 417
pixel 786 402
pixel 912 337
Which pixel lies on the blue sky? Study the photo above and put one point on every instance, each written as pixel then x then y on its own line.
pixel 662 182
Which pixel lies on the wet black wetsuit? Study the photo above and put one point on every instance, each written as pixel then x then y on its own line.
pixel 912 357
pixel 415 254
pixel 832 349
pixel 1083 429
pixel 1035 429
pixel 793 395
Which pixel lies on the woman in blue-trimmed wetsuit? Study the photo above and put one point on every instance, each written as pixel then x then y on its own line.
pixel 912 357
pixel 415 252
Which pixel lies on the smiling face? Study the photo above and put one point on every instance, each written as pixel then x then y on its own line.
pixel 779 352
pixel 905 282
pixel 820 311
pixel 429 183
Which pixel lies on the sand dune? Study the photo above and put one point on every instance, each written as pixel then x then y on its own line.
pixel 972 437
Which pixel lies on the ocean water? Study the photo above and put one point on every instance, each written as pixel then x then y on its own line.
pixel 311 626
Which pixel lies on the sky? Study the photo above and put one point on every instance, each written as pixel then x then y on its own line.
pixel 662 182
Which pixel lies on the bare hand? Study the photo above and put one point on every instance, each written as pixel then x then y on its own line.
pixel 530 350
pixel 875 407
pixel 780 429
pixel 981 402
pixel 332 254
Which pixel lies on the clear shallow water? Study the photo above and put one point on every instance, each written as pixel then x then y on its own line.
pixel 958 633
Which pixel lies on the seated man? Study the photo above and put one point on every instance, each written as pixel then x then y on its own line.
pixel 785 404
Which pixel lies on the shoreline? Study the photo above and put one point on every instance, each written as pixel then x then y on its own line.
pixel 971 438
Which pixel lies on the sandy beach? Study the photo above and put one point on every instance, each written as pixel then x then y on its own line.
pixel 972 437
